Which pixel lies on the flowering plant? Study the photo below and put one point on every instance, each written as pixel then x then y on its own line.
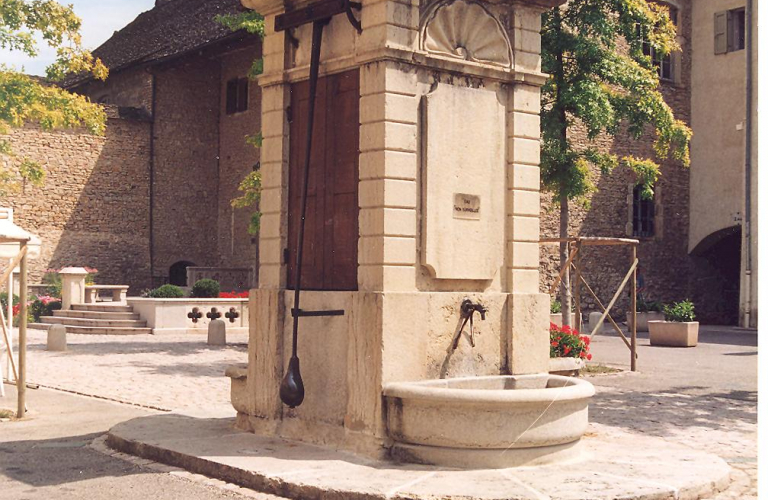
pixel 565 342
pixel 233 295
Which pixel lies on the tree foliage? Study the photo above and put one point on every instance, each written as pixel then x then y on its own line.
pixel 26 99
pixel 602 81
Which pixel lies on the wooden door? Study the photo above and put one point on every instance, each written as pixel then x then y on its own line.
pixel 331 230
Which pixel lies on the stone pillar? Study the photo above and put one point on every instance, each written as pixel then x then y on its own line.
pixel 217 332
pixel 72 286
pixel 57 338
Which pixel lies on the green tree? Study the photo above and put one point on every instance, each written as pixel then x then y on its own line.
pixel 603 83
pixel 27 99
pixel 250 186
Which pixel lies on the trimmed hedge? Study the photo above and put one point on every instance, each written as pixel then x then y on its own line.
pixel 166 292
pixel 206 289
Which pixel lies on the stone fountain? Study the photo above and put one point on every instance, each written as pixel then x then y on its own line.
pixel 441 134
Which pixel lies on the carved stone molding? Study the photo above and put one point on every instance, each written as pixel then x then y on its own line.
pixel 465 30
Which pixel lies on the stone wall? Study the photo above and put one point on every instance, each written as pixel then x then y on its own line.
pixel 92 210
pixel 131 87
pixel 237 248
pixel 185 198
pixel 664 261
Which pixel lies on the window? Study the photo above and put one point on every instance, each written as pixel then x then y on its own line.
pixel 730 30
pixel 237 95
pixel 664 65
pixel 643 214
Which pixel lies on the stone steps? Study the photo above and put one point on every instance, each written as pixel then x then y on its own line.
pixel 97 315
pixel 102 307
pixel 93 322
pixel 97 330
pixel 97 319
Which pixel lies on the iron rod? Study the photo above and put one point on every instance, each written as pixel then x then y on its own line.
pixel 314 67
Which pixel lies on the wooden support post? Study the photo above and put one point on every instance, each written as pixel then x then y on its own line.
pixel 554 286
pixel 630 274
pixel 21 384
pixel 9 346
pixel 577 287
pixel 633 310
pixel 599 303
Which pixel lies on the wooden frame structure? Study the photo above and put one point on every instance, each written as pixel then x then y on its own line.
pixel 575 246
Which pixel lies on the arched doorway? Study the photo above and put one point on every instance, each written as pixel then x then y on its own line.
pixel 177 275
pixel 717 261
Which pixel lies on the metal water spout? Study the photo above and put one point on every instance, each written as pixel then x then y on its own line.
pixel 468 310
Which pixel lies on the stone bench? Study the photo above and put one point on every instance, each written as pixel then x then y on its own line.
pixel 119 293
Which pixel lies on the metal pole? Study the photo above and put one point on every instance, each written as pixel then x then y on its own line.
pixel 21 384
pixel 633 305
pixel 747 227
pixel 292 387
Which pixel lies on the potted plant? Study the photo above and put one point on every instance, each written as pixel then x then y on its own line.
pixel 647 310
pixel 679 328
pixel 568 351
pixel 556 313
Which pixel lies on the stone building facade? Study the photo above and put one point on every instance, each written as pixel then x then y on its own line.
pixel 93 208
pixel 198 153
pixel 181 68
pixel 665 266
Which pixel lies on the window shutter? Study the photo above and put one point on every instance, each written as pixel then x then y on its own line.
pixel 231 97
pixel 721 32
pixel 242 94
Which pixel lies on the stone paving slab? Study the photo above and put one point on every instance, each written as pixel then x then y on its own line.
pixel 166 372
pixel 615 464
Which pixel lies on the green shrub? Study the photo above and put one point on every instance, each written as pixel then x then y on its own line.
pixel 43 306
pixel 680 312
pixel 644 306
pixel 166 292
pixel 206 289
pixel 555 307
pixel 53 280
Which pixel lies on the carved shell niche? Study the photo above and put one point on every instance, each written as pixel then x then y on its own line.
pixel 466 30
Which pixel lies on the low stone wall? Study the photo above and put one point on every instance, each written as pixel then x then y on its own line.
pixel 173 315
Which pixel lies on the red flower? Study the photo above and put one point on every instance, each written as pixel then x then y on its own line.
pixel 589 356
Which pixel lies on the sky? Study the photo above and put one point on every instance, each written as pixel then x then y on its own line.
pixel 100 18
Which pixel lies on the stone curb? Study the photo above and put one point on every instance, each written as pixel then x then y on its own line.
pixel 100 445
pixel 291 487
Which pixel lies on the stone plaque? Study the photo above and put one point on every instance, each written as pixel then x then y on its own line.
pixel 464 155
pixel 466 206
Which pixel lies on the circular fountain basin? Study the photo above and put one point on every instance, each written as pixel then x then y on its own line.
pixel 488 422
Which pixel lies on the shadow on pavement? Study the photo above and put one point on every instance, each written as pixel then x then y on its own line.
pixel 58 461
pixel 660 413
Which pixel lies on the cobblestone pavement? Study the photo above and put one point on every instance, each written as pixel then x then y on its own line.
pixel 705 397
pixel 169 372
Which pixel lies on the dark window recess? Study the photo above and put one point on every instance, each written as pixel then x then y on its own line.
pixel 663 64
pixel 643 214
pixel 331 232
pixel 730 30
pixel 237 95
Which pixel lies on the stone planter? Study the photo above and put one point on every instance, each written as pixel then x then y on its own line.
pixel 558 319
pixel 674 334
pixel 173 315
pixel 568 367
pixel 643 318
